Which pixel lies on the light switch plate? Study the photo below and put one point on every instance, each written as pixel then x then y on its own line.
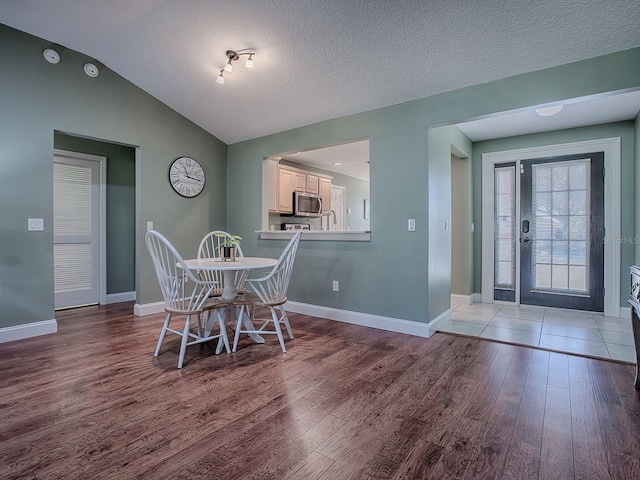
pixel 412 225
pixel 149 226
pixel 35 224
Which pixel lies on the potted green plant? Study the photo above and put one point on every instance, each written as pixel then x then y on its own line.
pixel 228 246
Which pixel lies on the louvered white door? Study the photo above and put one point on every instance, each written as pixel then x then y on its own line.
pixel 76 231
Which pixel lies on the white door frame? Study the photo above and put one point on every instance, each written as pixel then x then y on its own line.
pixel 102 162
pixel 612 205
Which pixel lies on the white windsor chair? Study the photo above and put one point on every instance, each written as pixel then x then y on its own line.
pixel 184 294
pixel 269 291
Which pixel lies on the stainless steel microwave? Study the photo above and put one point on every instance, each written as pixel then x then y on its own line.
pixel 307 204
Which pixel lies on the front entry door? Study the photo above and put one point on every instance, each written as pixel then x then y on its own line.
pixel 562 232
pixel 549 232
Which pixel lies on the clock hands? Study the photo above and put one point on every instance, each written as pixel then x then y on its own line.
pixel 185 171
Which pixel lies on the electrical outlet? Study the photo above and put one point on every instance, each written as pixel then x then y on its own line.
pixel 336 286
pixel 149 226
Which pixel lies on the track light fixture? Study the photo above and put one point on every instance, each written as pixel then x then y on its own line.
pixel 233 56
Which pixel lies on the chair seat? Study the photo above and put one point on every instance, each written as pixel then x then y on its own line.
pixel 209 304
pixel 214 302
pixel 250 298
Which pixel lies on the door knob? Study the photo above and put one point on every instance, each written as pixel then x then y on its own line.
pixel 525 239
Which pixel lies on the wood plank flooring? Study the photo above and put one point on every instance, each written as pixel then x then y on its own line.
pixel 344 402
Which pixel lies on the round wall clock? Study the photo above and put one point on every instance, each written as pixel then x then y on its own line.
pixel 186 176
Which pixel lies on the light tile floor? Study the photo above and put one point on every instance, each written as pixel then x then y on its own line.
pixel 569 331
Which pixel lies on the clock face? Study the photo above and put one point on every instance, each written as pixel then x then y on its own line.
pixel 186 176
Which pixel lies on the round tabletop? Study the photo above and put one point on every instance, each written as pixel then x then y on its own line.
pixel 243 263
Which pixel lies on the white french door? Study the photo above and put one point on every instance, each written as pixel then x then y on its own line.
pixel 76 229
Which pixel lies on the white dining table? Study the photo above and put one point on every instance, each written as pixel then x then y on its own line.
pixel 235 273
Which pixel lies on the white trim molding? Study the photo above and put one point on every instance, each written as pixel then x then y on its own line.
pixel 140 310
pixel 119 297
pixel 625 312
pixel 346 316
pixel 612 206
pixel 28 330
pixel 457 299
pixel 364 319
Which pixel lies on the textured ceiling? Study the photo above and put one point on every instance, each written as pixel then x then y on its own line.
pixel 321 59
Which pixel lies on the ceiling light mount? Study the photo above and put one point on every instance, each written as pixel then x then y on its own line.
pixel 233 56
pixel 53 53
pixel 91 69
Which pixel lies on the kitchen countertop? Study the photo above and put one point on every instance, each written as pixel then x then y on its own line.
pixel 318 235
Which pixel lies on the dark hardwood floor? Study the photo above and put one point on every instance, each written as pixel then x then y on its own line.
pixel 91 402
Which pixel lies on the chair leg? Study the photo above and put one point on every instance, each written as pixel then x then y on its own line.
pixel 163 333
pixel 285 320
pixel 238 327
pixel 276 324
pixel 223 332
pixel 183 344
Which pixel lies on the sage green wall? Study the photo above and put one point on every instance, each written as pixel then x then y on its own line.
pixel 441 142
pixel 624 130
pixel 120 222
pixel 39 98
pixel 372 280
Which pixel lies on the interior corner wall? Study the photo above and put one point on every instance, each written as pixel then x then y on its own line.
pixel 624 130
pixel 441 141
pixel 39 98
pixel 120 222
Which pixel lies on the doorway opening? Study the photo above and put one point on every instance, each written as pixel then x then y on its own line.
pixel 460 229
pixel 116 264
pixel 545 211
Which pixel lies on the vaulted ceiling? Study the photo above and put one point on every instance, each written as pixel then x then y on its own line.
pixel 321 59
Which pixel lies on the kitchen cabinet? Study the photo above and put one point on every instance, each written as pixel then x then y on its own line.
pixel 325 192
pixel 284 180
pixel 299 181
pixel 285 190
pixel 312 183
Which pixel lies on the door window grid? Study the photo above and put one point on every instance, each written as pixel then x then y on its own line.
pixel 504 219
pixel 562 227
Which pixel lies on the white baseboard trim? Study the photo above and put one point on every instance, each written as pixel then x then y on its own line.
pixel 439 320
pixel 364 319
pixel 625 312
pixel 140 310
pixel 476 298
pixel 458 299
pixel 28 330
pixel 120 297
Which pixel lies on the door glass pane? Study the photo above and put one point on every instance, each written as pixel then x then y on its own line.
pixel 504 215
pixel 562 226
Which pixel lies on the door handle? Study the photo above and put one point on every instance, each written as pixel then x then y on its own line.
pixel 525 239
